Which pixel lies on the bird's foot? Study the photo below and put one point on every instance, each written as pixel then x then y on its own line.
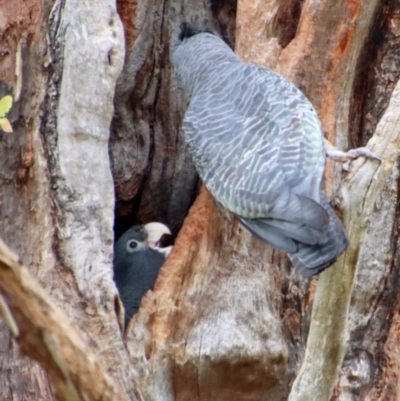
pixel 340 156
pixel 352 154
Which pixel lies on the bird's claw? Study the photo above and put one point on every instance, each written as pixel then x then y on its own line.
pixel 362 152
pixel 352 154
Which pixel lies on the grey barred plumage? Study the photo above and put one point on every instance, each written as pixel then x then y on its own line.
pixel 258 146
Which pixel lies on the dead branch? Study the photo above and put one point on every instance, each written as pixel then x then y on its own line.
pixel 44 334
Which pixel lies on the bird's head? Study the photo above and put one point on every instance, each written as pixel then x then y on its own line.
pixel 132 241
pixel 140 238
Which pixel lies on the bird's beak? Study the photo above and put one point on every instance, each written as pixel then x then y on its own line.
pixel 159 237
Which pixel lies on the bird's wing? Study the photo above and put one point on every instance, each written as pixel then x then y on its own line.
pixel 254 136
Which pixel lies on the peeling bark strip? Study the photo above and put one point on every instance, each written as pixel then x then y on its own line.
pixel 45 334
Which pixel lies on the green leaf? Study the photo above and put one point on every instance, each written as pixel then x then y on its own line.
pixel 5 105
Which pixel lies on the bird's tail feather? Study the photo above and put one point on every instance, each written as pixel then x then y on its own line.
pixel 299 209
pixel 310 249
pixel 310 260
pixel 300 232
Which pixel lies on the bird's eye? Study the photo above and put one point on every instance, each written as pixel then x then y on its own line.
pixel 132 245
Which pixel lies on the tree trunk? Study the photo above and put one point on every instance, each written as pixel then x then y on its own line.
pixel 229 317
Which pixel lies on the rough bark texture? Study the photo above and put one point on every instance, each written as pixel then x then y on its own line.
pixel 229 318
pixel 60 62
pixel 153 174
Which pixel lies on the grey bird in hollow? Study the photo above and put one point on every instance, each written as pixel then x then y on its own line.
pixel 258 146
pixel 136 265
